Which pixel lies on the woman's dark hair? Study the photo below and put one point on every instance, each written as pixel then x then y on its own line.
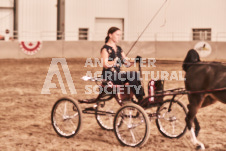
pixel 111 31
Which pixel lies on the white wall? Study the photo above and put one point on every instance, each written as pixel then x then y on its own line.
pixel 174 22
pixel 178 16
pixel 103 24
pixel 91 49
pixel 6 17
pixel 6 3
pixel 37 19
pixel 82 14
pixel 140 14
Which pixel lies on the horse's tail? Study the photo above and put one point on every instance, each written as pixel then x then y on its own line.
pixel 191 58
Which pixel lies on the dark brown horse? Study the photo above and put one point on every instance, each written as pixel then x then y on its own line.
pixel 202 76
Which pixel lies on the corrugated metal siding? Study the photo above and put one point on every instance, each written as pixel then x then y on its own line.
pixel 82 14
pixel 6 17
pixel 140 13
pixel 6 3
pixel 37 19
pixel 6 21
pixel 103 24
pixel 178 17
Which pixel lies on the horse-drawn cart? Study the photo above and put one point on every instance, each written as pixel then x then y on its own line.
pixel 131 122
pixel 130 119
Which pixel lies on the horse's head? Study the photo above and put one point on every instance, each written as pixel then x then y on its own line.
pixel 192 57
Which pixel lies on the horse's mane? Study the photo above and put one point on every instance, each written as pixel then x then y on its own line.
pixel 191 58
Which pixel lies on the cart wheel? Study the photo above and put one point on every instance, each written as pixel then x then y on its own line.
pixel 132 125
pixel 171 123
pixel 105 112
pixel 66 117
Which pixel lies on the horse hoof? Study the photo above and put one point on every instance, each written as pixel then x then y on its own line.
pixel 200 147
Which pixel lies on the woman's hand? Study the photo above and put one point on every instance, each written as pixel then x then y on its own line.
pixel 138 59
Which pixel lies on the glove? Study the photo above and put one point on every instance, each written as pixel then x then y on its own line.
pixel 138 59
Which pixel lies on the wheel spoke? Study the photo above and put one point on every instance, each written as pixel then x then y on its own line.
pixel 134 139
pixel 173 127
pixel 66 117
pixel 171 123
pixel 105 113
pixel 72 123
pixel 131 125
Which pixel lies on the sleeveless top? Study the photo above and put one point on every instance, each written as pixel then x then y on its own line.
pixel 112 56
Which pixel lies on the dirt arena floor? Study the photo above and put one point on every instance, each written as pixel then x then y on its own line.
pixel 25 113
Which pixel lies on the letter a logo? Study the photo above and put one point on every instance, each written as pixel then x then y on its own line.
pixel 53 69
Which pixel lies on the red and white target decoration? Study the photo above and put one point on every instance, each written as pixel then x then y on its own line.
pixel 30 47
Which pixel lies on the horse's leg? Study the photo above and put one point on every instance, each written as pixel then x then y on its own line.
pixel 197 126
pixel 209 99
pixel 195 104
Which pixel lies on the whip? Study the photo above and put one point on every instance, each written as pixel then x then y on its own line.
pixel 146 27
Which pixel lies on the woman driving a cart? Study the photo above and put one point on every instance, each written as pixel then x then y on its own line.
pixel 113 57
